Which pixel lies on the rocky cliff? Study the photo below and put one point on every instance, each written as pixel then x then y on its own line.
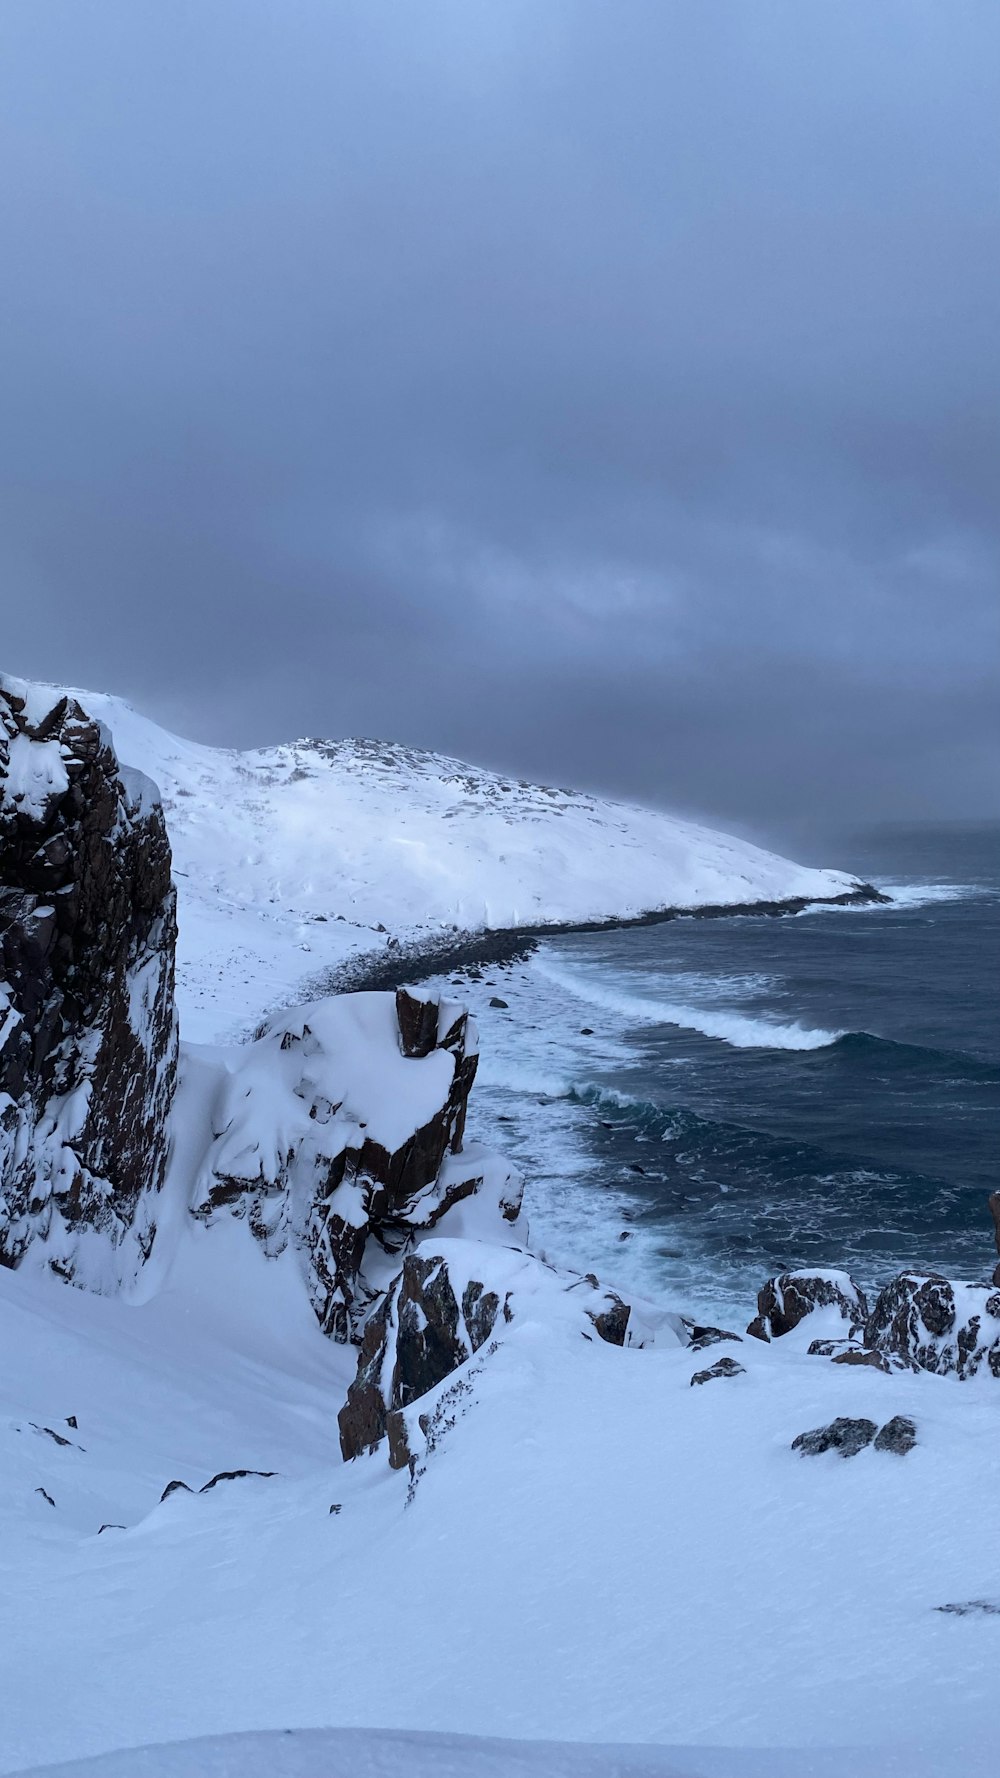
pixel 88 1030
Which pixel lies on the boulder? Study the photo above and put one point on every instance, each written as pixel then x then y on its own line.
pixel 723 1367
pixel 846 1437
pixel 898 1435
pixel 786 1300
pixel 927 1322
pixel 88 1031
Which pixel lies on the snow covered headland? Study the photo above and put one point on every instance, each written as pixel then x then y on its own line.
pixel 576 1533
pixel 294 861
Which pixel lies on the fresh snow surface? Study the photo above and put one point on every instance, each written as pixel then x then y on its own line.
pixel 597 1551
pixel 289 859
pixel 365 1753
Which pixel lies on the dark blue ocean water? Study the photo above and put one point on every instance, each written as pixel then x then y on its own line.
pixel 700 1103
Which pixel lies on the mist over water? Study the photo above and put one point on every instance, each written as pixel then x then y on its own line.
pixel 701 1103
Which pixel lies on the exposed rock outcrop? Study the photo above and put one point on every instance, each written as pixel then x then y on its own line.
pixel 698 1336
pixel 930 1323
pixel 88 1032
pixel 450 1300
pixel 723 1367
pixel 340 1130
pixel 786 1300
pixel 846 1437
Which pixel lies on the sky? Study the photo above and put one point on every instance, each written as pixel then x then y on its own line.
pixel 604 390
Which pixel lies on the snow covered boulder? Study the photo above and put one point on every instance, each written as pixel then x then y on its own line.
pixel 788 1299
pixel 451 1299
pixel 339 1129
pixel 88 1032
pixel 929 1323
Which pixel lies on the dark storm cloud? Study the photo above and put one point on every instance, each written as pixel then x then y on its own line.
pixel 605 391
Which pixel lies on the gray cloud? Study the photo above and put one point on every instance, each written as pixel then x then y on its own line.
pixel 606 392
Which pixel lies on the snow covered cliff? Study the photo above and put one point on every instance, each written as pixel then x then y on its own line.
pixel 292 860
pixel 88 1030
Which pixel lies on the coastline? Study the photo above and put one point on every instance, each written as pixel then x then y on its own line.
pixel 401 964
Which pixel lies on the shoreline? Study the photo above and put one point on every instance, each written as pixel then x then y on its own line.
pixel 402 964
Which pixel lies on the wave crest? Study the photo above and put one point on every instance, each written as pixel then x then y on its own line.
pixel 741 1030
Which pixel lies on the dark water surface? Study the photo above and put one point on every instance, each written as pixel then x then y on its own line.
pixel 755 1094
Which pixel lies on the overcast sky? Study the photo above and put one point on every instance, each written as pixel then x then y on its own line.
pixel 606 390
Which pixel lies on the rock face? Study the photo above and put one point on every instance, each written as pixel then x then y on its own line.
pixel 930 1323
pixel 450 1300
pixel 340 1132
pixel 786 1300
pixel 88 1033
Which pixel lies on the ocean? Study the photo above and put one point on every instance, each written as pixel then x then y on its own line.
pixel 701 1103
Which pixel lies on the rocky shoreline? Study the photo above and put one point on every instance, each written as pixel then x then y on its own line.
pixel 401 963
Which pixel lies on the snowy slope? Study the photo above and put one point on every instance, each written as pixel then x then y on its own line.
pixel 597 1550
pixel 289 859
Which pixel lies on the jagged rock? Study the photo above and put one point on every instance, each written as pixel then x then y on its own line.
pixel 898 1435
pixel 341 1131
pixel 723 1367
pixel 700 1337
pixel 88 1033
pixel 846 1437
pixel 449 1302
pixel 175 1487
pixel 233 1475
pixel 930 1323
pixel 787 1299
pixel 612 1322
pixel 420 1334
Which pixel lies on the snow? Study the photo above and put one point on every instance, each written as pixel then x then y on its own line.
pixel 628 1575
pixel 35 773
pixel 365 1753
pixel 289 859
pixel 596 1551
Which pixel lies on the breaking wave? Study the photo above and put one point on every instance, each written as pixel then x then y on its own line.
pixel 741 1030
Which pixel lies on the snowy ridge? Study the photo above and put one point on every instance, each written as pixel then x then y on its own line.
pixel 291 860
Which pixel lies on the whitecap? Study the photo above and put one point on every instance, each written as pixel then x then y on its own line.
pixel 740 1030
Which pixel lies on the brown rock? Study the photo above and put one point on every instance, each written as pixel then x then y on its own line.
pixel 787 1299
pixel 929 1323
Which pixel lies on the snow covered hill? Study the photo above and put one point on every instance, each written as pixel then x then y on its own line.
pixel 290 860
